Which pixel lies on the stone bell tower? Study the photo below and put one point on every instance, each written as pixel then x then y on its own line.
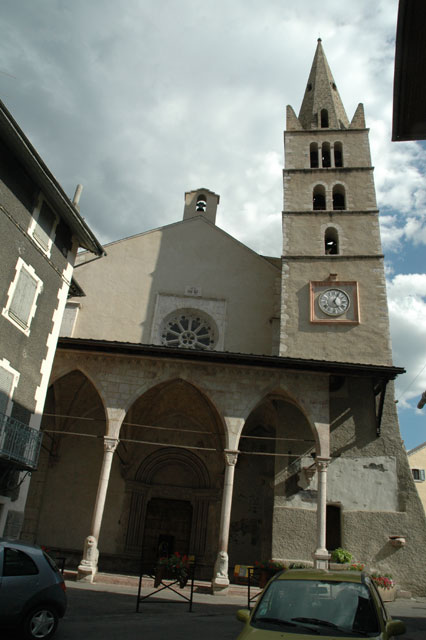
pixel 334 304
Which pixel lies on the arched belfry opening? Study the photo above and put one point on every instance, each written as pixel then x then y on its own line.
pixel 275 446
pixel 170 453
pixel 339 197
pixel 331 242
pixel 318 198
pixel 313 155
pixel 63 489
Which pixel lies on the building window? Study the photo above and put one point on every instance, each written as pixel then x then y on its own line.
pixel 313 151
pixel 324 119
pixel 418 475
pixel 188 329
pixel 338 154
pixel 22 297
pixel 331 242
pixel 43 225
pixel 8 383
pixel 318 198
pixel 339 198
pixel 18 563
pixel 326 156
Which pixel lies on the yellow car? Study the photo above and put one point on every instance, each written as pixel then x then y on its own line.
pixel 303 604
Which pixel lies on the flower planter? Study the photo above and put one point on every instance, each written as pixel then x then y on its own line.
pixel 387 595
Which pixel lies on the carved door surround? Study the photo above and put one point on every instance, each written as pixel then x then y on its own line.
pixel 152 480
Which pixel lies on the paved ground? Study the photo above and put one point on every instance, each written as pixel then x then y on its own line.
pixel 108 612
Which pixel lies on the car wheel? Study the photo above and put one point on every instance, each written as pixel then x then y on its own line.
pixel 41 623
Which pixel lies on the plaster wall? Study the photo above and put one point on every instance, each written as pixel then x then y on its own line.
pixel 417 460
pixel 193 255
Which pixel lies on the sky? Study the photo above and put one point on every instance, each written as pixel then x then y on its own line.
pixel 142 100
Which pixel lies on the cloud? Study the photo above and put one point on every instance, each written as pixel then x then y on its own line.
pixel 407 311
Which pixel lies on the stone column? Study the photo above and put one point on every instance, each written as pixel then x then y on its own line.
pixel 89 563
pixel 220 581
pixel 321 555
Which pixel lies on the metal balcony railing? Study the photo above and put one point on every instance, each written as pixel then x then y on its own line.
pixel 19 443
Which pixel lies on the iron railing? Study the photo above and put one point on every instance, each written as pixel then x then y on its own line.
pixel 19 443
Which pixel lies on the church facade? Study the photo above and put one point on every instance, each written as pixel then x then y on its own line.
pixel 209 400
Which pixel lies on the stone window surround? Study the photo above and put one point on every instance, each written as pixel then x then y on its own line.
pixel 5 364
pixel 168 303
pixel 34 224
pixel 21 265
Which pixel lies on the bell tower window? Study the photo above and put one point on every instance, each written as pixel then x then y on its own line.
pixel 331 242
pixel 314 155
pixel 324 119
pixel 338 154
pixel 339 198
pixel 201 203
pixel 326 156
pixel 318 199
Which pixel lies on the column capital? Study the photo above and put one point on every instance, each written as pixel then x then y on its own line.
pixel 110 444
pixel 231 457
pixel 322 463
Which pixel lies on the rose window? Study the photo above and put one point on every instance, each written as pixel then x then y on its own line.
pixel 188 330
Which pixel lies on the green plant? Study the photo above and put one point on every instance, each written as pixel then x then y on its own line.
pixel 341 556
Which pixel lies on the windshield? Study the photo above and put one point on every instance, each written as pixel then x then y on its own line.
pixel 340 609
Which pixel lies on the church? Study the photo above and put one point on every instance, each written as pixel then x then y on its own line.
pixel 233 406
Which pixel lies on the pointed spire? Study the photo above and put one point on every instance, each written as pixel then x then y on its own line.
pixel 322 106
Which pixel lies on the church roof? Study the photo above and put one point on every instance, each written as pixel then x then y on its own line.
pixel 321 94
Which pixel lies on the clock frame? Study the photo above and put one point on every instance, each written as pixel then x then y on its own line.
pixel 348 291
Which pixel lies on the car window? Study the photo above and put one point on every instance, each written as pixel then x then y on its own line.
pixel 317 604
pixel 51 562
pixel 18 563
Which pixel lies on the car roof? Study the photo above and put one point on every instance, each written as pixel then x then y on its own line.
pixel 321 574
pixel 18 544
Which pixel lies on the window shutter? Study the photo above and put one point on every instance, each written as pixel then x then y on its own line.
pixel 23 298
pixel 422 474
pixel 43 229
pixel 6 383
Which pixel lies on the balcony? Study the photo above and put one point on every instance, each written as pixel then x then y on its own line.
pixel 19 443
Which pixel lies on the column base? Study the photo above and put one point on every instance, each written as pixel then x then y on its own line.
pixel 86 574
pixel 88 567
pixel 321 559
pixel 220 586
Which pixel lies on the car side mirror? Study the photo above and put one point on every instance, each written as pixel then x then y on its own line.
pixel 395 628
pixel 243 615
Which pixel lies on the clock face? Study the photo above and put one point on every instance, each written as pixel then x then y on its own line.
pixel 334 302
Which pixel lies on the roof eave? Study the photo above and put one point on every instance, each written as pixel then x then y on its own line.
pixel 229 358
